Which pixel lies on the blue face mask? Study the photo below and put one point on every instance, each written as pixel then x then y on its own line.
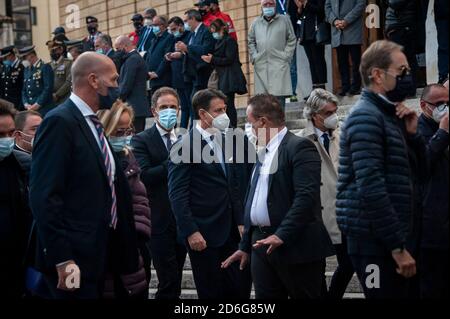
pixel 6 147
pixel 118 144
pixel 269 12
pixel 100 51
pixel 187 27
pixel 7 63
pixel 177 34
pixel 168 118
pixel 156 29
pixel 107 101
pixel 217 36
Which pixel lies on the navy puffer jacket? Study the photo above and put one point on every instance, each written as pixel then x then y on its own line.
pixel 374 200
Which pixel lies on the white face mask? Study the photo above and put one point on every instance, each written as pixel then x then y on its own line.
pixel 222 122
pixel 26 64
pixel 331 122
pixel 70 56
pixel 438 115
pixel 250 134
pixel 148 22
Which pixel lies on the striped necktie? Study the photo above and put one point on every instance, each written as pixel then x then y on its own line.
pixel 108 166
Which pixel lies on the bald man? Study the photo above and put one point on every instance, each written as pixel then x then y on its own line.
pixel 79 197
pixel 133 81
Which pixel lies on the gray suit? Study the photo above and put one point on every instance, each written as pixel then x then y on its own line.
pixel 350 11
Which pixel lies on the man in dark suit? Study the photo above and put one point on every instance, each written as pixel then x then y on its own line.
pixel 204 193
pixel 146 35
pixel 162 43
pixel 133 82
pixel 92 28
pixel 103 45
pixel 15 215
pixel 151 149
pixel 79 196
pixel 201 42
pixel 284 231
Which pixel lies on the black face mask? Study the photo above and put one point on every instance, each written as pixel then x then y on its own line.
pixel 55 56
pixel 107 101
pixel 137 26
pixel 404 87
pixel 92 30
pixel 120 54
pixel 202 12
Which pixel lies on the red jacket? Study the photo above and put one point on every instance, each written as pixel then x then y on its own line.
pixel 134 37
pixel 210 17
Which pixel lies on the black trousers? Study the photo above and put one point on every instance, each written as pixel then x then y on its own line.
pixel 343 273
pixel 317 63
pixel 213 282
pixel 408 39
pixel 231 110
pixel 277 279
pixel 168 259
pixel 343 54
pixel 433 272
pixel 391 284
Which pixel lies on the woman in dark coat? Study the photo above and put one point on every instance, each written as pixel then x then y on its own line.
pixel 225 60
pixel 119 129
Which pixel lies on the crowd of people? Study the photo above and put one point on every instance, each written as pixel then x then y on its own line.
pixel 90 199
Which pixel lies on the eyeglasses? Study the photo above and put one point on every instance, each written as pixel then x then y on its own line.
pixel 125 132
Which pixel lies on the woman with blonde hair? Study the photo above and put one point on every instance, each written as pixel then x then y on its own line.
pixel 118 126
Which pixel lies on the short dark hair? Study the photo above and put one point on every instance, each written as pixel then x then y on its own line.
pixel 7 110
pixel 427 90
pixel 176 20
pixel 202 99
pixel 150 11
pixel 267 105
pixel 163 19
pixel 165 90
pixel 378 55
pixel 21 118
pixel 219 24
pixel 194 14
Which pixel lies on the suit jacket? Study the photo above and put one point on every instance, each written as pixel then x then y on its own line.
pixel 152 156
pixel 70 198
pixel 194 67
pixel 202 196
pixel 11 83
pixel 176 66
pixel 294 206
pixel 133 83
pixel 116 58
pixel 160 46
pixel 145 39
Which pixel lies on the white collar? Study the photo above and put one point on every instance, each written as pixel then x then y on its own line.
pixel 206 134
pixel 320 133
pixel 198 27
pixel 84 108
pixel 163 132
pixel 276 140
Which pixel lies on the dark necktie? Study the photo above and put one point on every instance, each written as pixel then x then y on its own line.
pixel 216 147
pixel 168 141
pixel 326 142
pixel 108 166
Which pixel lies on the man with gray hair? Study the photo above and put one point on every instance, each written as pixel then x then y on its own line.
pixel 322 129
pixel 271 45
pixel 103 45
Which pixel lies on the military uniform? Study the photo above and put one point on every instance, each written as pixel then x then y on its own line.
pixel 38 86
pixel 11 83
pixel 62 79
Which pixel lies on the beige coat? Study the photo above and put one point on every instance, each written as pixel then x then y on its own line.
pixel 330 164
pixel 271 48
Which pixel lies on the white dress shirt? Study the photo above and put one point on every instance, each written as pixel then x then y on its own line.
pixel 87 111
pixel 163 133
pixel 320 135
pixel 259 213
pixel 214 145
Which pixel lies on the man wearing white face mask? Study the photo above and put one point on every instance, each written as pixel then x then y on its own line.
pixel 204 189
pixel 322 129
pixel 433 126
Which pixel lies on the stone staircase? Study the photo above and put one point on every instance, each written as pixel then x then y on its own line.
pixel 295 123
